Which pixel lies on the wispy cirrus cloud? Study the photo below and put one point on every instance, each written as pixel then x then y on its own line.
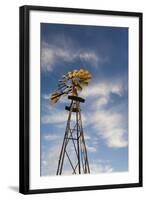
pixel 51 137
pixel 49 160
pixel 109 124
pixel 55 117
pixel 103 89
pixel 92 149
pixel 51 54
pixel 111 127
pixel 101 168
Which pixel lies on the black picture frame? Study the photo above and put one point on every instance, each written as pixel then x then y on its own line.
pixel 25 104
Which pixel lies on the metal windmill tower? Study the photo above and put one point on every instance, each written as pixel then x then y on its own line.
pixel 73 150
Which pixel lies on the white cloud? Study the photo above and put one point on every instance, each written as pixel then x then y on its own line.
pixel 51 137
pixel 52 114
pixel 89 56
pixel 51 54
pixel 58 116
pixel 47 59
pixel 103 89
pixel 54 118
pixel 46 97
pixel 86 137
pixel 100 168
pixel 49 160
pixel 91 149
pixel 102 101
pixel 109 124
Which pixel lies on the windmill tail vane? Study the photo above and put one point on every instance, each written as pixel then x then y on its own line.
pixel 73 153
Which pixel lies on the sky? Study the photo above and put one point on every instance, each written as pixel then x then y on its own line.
pixel 103 51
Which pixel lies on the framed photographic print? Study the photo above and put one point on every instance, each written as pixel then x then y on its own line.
pixel 80 99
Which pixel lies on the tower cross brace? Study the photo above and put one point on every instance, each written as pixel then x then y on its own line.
pixel 76 157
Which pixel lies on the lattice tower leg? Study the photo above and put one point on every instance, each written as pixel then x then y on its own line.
pixel 74 134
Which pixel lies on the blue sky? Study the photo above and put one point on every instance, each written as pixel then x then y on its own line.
pixel 103 51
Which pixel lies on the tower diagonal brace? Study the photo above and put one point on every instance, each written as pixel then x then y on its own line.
pixel 74 134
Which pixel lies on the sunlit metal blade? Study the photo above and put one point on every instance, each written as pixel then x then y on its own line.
pixel 64 76
pixel 75 72
pixel 87 76
pixel 84 80
pixel 77 84
pixel 67 92
pixel 69 75
pixel 82 83
pixel 55 97
pixel 62 87
pixel 86 72
pixel 62 81
pixel 81 70
pixel 79 87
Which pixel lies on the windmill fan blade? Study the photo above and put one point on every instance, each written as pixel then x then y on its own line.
pixel 62 83
pixel 83 83
pixel 70 90
pixel 61 87
pixel 70 75
pixel 65 77
pixel 89 76
pixel 84 80
pixel 67 91
pixel 86 72
pixel 81 70
pixel 55 97
pixel 65 94
pixel 78 86
pixel 75 73
pixel 86 76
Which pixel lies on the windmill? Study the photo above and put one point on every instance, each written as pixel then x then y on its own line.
pixel 76 157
